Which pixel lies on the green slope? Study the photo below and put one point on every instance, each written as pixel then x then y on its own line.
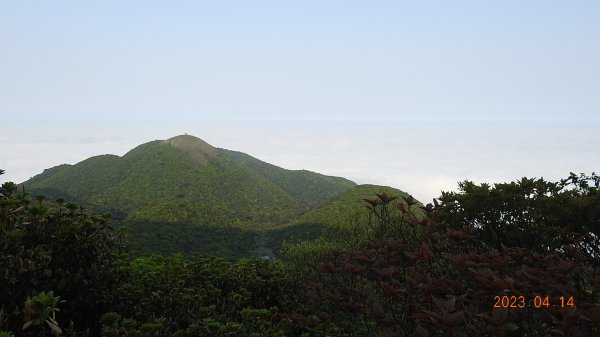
pixel 346 206
pixel 344 215
pixel 308 188
pixel 184 185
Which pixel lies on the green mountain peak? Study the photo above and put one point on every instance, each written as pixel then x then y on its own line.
pixel 184 195
pixel 196 148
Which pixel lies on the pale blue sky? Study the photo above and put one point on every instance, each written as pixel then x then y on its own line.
pixel 475 78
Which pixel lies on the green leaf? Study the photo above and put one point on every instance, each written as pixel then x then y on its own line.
pixel 508 326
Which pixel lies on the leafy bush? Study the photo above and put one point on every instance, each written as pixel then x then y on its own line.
pixel 49 249
pixel 445 280
pixel 200 296
pixel 531 213
pixel 41 309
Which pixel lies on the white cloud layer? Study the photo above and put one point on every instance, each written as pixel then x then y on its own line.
pixel 421 159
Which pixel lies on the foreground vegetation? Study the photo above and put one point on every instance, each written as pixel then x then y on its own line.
pixel 411 270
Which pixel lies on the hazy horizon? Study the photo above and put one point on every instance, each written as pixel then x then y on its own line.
pixel 417 96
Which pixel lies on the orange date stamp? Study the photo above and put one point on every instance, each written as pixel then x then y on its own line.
pixel 537 302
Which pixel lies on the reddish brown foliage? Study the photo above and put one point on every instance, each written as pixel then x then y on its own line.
pixel 442 284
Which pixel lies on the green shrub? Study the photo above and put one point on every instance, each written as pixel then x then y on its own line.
pixel 50 250
pixel 446 280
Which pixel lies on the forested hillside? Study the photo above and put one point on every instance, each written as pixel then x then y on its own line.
pixel 514 259
pixel 183 195
pixel 339 221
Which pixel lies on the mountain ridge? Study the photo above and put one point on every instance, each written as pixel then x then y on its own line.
pixel 186 182
pixel 183 195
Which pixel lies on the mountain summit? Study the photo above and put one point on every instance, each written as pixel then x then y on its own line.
pixel 195 147
pixel 184 185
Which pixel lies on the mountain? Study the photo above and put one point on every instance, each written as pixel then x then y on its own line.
pixel 182 194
